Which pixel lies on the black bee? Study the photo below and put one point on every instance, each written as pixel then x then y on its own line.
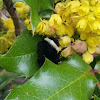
pixel 48 48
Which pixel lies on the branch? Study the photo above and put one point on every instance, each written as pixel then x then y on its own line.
pixel 12 11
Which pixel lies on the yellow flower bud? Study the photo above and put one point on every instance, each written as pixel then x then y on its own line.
pixel 67 52
pixel 87 57
pixel 97 50
pixel 19 4
pixel 79 46
pixel 91 49
pixel 19 10
pixel 26 9
pixel 27 22
pixel 23 15
pixel 64 41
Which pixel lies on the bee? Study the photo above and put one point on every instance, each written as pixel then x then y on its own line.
pixel 48 48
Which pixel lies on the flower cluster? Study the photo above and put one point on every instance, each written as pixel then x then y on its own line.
pixel 22 9
pixel 24 13
pixel 76 16
pixel 7 28
pixel 7 34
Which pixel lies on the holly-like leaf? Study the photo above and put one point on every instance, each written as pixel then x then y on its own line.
pixel 22 56
pixel 36 7
pixel 96 98
pixel 70 80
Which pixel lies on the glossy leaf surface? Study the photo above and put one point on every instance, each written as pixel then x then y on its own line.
pixel 22 57
pixel 69 80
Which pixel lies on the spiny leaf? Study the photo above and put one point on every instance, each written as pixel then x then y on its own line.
pixel 69 80
pixel 21 58
pixel 36 7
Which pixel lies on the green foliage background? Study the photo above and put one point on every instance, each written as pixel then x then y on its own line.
pixel 70 80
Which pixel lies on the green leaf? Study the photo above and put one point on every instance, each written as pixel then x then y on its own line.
pixel 69 80
pixel 45 14
pixel 36 7
pixel 22 56
pixel 1 4
pixel 96 98
pixel 97 66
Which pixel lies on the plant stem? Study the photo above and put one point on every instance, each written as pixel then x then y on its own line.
pixel 14 15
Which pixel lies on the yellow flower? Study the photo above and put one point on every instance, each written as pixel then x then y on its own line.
pixel 87 57
pixel 65 15
pixel 84 9
pixel 82 1
pixel 22 9
pixel 93 2
pixel 64 41
pixel 59 8
pixel 55 21
pixel 9 24
pixel 92 41
pixel 98 31
pixel 69 30
pixel 48 30
pixel 61 30
pixel 43 28
pixel 91 16
pixel 82 24
pixel 94 25
pixel 73 5
pixel 97 11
